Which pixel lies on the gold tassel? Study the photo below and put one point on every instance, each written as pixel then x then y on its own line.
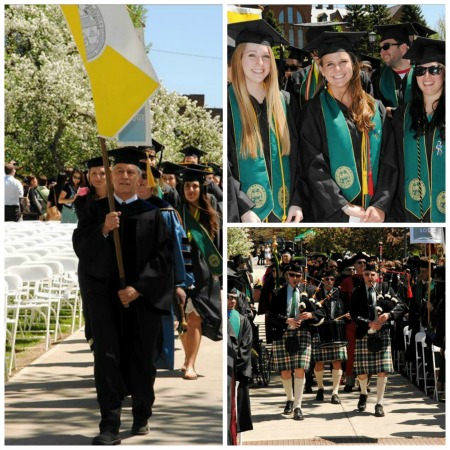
pixel 365 187
pixel 151 183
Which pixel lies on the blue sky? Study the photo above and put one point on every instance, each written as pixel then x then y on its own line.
pixel 177 33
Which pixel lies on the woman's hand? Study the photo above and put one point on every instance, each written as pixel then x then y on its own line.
pixel 354 211
pixel 374 215
pixel 293 323
pixel 295 214
pixel 250 217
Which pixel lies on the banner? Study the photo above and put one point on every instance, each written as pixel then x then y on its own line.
pixel 121 75
pixel 303 235
pixel 241 14
pixel 422 235
pixel 138 131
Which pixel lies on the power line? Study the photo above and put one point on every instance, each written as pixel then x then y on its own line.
pixel 185 54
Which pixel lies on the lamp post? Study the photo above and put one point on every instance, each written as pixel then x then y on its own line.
pixel 372 39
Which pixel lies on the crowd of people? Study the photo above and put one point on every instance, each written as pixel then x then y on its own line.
pixel 149 264
pixel 349 312
pixel 317 138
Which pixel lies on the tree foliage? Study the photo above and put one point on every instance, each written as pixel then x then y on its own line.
pixel 239 242
pixel 49 112
pixel 395 241
pixel 412 13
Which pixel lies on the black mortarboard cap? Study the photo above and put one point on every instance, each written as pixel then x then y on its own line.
pixel 216 168
pixel 94 162
pixel 332 42
pixel 400 32
pixel 169 168
pixel 287 250
pixel 422 30
pixel 190 174
pixel 256 32
pixel 425 50
pixel 190 150
pixel 296 53
pixel 375 63
pixel 371 267
pixel 127 155
pixel 315 29
pixel 357 256
pixel 155 172
pixel 293 267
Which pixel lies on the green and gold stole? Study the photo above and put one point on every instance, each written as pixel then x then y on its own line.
pixel 342 158
pixel 388 88
pixel 196 231
pixel 269 195
pixel 417 180
pixel 235 321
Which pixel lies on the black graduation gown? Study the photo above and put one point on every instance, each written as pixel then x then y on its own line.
pixel 125 339
pixel 293 114
pixel 400 86
pixel 322 198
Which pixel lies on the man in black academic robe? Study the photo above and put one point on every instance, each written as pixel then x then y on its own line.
pixel 125 315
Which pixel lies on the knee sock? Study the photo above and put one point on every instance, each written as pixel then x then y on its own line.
pixel 299 383
pixel 287 384
pixel 381 386
pixel 336 377
pixel 363 385
pixel 319 378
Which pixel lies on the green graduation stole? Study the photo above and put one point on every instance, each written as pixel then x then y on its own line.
pixel 342 158
pixel 417 182
pixel 269 195
pixel 204 242
pixel 235 321
pixel 388 88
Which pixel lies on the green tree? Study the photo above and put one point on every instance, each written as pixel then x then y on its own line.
pixel 412 13
pixel 239 242
pixel 441 28
pixel 358 19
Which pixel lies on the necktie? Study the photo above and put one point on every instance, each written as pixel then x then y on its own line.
pixel 294 303
pixel 372 303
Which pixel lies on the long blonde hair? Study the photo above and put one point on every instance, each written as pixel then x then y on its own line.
pixel 251 136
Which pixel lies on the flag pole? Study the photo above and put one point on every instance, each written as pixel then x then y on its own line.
pixel 112 208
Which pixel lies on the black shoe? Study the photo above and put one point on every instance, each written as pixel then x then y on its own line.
pixel 319 395
pixel 335 399
pixel 106 438
pixel 140 429
pixel 298 414
pixel 308 390
pixel 348 388
pixel 289 407
pixel 379 410
pixel 362 402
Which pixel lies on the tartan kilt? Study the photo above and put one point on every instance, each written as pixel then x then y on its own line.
pixel 373 362
pixel 301 360
pixel 326 354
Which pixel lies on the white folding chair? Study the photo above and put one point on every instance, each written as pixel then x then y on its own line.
pixel 15 260
pixel 436 351
pixel 13 288
pixel 407 340
pixel 33 277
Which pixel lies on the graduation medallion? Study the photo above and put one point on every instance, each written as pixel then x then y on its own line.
pixel 440 202
pixel 416 189
pixel 344 177
pixel 257 194
pixel 283 196
pixel 94 32
pixel 214 261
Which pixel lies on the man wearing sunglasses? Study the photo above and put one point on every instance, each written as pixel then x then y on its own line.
pixel 392 82
pixel 290 317
pixel 324 350
pixel 358 261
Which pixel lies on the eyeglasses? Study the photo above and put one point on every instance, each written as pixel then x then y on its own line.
pixel 294 275
pixel 387 46
pixel 76 177
pixel 420 71
pixel 329 278
pixel 360 262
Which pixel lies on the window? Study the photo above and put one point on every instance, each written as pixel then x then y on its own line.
pixel 281 17
pixel 299 18
pixel 300 39
pixel 290 14
pixel 291 36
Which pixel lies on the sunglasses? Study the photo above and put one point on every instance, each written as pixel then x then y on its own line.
pixel 329 278
pixel 387 46
pixel 294 275
pixel 420 71
pixel 360 262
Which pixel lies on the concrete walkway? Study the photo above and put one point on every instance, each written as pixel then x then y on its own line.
pixel 53 400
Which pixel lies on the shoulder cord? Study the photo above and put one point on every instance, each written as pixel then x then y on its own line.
pixel 420 179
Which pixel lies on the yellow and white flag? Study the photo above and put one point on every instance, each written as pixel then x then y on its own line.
pixel 121 75
pixel 242 14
